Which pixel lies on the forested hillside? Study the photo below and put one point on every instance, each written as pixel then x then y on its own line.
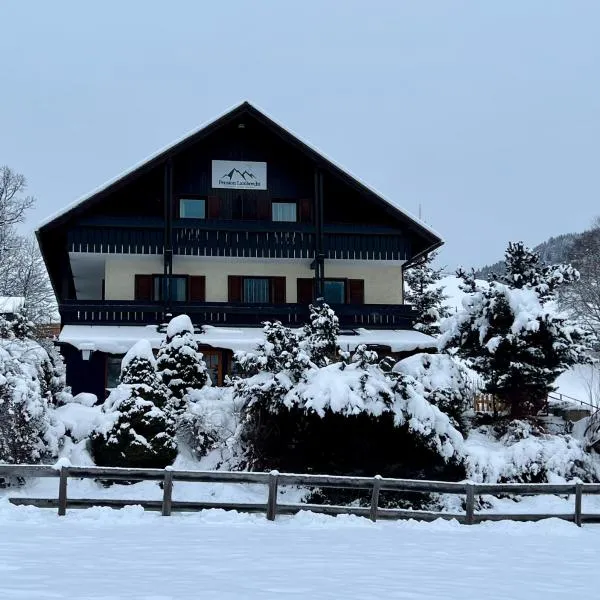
pixel 554 250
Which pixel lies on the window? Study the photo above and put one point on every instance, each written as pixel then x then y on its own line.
pixel 192 208
pixel 334 291
pixel 256 290
pixel 113 371
pixel 284 211
pixel 213 361
pixel 178 288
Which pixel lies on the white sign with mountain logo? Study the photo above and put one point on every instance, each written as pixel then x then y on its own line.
pixel 238 174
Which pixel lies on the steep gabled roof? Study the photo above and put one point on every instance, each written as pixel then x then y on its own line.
pixel 245 108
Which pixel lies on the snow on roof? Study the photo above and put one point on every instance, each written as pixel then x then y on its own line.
pixel 11 304
pixel 156 154
pixel 115 339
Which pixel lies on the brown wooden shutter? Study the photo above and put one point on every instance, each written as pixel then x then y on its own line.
pixel 143 287
pixel 305 287
pixel 305 209
pixel 234 286
pixel 264 208
pixel 197 289
pixel 213 210
pixel 278 290
pixel 355 290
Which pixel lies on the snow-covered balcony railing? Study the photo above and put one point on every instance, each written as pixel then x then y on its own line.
pixel 238 239
pixel 116 312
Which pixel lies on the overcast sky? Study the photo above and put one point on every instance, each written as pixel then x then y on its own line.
pixel 487 114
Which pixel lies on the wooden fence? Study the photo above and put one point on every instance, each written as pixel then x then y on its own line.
pixel 274 480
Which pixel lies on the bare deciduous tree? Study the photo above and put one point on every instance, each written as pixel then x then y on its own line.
pixel 583 297
pixel 13 202
pixel 22 269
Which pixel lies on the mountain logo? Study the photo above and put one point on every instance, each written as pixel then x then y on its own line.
pixel 245 175
pixel 239 174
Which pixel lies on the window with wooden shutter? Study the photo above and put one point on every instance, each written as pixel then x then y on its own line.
pixel 214 207
pixel 143 287
pixel 356 291
pixel 278 290
pixel 234 286
pixel 264 207
pixel 305 289
pixel 197 288
pixel 305 209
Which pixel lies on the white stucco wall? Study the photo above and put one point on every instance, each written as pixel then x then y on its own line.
pixel 383 282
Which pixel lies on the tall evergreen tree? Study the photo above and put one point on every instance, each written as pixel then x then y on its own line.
pixel 425 294
pixel 512 334
pixel 142 433
pixel 321 334
pixel 180 363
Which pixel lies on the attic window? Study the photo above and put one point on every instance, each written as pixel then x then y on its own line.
pixel 192 208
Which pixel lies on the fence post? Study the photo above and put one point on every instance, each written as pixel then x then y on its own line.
pixel 375 498
pixel 578 499
pixel 470 504
pixel 272 499
pixel 167 492
pixel 62 491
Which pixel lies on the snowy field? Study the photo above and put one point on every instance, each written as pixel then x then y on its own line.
pixel 102 554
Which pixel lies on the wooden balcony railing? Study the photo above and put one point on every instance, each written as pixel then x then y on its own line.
pixel 241 239
pixel 117 312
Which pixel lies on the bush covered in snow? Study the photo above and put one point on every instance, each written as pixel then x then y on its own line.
pixel 350 416
pixel 31 383
pixel 511 333
pixel 520 451
pixel 139 428
pixel 447 384
pixel 180 364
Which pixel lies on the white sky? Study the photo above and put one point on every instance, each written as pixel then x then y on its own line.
pixel 485 113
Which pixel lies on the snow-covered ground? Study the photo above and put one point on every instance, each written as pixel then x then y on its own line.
pixel 101 554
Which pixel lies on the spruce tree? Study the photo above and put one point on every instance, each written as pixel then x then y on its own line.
pixel 141 431
pixel 512 334
pixel 321 333
pixel 425 294
pixel 180 364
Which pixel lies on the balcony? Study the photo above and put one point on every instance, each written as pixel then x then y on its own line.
pixel 249 239
pixel 115 312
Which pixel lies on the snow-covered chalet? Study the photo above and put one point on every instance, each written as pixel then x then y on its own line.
pixel 238 223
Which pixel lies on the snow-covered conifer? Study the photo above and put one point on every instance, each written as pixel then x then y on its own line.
pixel 139 429
pixel 425 294
pixel 512 334
pixel 321 333
pixel 180 363
pixel 27 433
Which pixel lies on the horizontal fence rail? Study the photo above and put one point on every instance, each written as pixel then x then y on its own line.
pixel 273 480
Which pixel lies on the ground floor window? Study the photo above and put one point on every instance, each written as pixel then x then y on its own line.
pixel 113 370
pixel 256 290
pixel 334 291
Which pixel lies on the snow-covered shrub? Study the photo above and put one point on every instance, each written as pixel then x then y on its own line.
pixel 447 384
pixel 321 334
pixel 18 327
pixel 28 430
pixel 180 364
pixel 54 375
pixel 347 417
pixel 519 451
pixel 512 334
pixel 139 428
